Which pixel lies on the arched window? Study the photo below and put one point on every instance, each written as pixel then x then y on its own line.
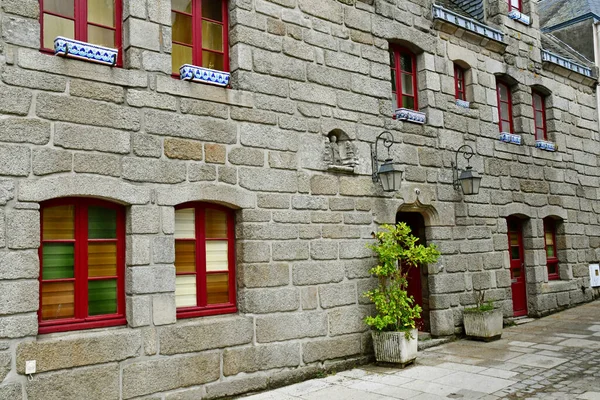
pixel 96 22
pixel 539 116
pixel 404 78
pixel 200 35
pixel 459 83
pixel 505 116
pixel 550 247
pixel 204 260
pixel 82 264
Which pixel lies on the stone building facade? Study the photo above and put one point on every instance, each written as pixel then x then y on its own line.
pixel 300 209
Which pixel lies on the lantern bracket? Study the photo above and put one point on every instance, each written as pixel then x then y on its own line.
pixel 388 141
pixel 467 152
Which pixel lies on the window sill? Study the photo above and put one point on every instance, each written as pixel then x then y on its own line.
pixel 204 312
pixel 510 138
pixel 463 103
pixel 70 48
pixel 192 73
pixel 408 115
pixel 545 145
pixel 519 16
pixel 77 326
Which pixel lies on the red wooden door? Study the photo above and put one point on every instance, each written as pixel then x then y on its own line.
pixel 517 266
pixel 415 284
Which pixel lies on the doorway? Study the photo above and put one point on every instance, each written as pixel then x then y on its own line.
pixel 417 277
pixel 517 266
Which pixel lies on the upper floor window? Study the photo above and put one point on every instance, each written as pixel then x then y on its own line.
pixel 459 82
pixel 82 262
pixel 92 21
pixel 200 34
pixel 539 116
pixel 504 107
pixel 550 246
pixel 204 260
pixel 515 5
pixel 404 78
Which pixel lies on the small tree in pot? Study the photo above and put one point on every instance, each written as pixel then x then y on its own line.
pixel 483 322
pixel 394 330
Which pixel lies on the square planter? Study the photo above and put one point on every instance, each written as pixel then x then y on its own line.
pixel 71 48
pixel 394 347
pixel 193 73
pixel 483 325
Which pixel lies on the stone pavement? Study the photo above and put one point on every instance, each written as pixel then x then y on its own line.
pixel 556 357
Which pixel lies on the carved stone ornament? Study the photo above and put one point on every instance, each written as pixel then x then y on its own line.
pixel 339 153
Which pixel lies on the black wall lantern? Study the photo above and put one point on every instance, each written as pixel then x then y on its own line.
pixel 468 179
pixel 389 173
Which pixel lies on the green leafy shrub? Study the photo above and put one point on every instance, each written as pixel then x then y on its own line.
pixel 397 251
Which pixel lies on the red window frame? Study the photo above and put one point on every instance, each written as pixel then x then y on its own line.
pixel 518 7
pixel 551 262
pixel 542 113
pixel 396 52
pixel 81 319
pixel 204 309
pixel 459 82
pixel 197 34
pixel 80 20
pixel 507 118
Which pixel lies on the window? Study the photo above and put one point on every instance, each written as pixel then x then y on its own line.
pixel 404 78
pixel 199 34
pixel 459 82
pixel 204 260
pixel 82 262
pixel 550 246
pixel 515 5
pixel 539 116
pixel 93 21
pixel 504 107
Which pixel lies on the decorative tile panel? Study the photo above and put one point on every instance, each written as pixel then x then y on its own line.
pixel 193 73
pixel 405 114
pixel 463 103
pixel 72 48
pixel 469 24
pixel 545 145
pixel 519 16
pixel 510 138
pixel 563 62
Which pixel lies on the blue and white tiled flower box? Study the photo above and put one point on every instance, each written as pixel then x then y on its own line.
pixel 545 145
pixel 72 48
pixel 405 114
pixel 510 138
pixel 189 72
pixel 519 16
pixel 463 103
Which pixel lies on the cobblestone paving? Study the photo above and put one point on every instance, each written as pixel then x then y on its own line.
pixel 556 357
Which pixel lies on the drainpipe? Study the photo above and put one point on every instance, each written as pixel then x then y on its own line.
pixel 596 35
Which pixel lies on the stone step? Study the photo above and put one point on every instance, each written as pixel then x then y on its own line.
pixel 426 341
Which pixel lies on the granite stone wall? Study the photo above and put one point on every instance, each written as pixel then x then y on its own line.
pixel 301 69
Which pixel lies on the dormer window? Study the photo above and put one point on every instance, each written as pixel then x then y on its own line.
pixel 515 5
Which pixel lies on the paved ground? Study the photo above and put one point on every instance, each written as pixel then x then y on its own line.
pixel 556 357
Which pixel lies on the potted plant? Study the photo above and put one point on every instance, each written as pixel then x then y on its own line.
pixel 483 322
pixel 393 327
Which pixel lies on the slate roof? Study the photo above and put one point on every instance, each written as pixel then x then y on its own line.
pixel 560 48
pixel 554 13
pixel 468 8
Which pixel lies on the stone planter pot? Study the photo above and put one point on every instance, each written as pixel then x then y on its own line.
pixel 483 325
pixel 394 347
